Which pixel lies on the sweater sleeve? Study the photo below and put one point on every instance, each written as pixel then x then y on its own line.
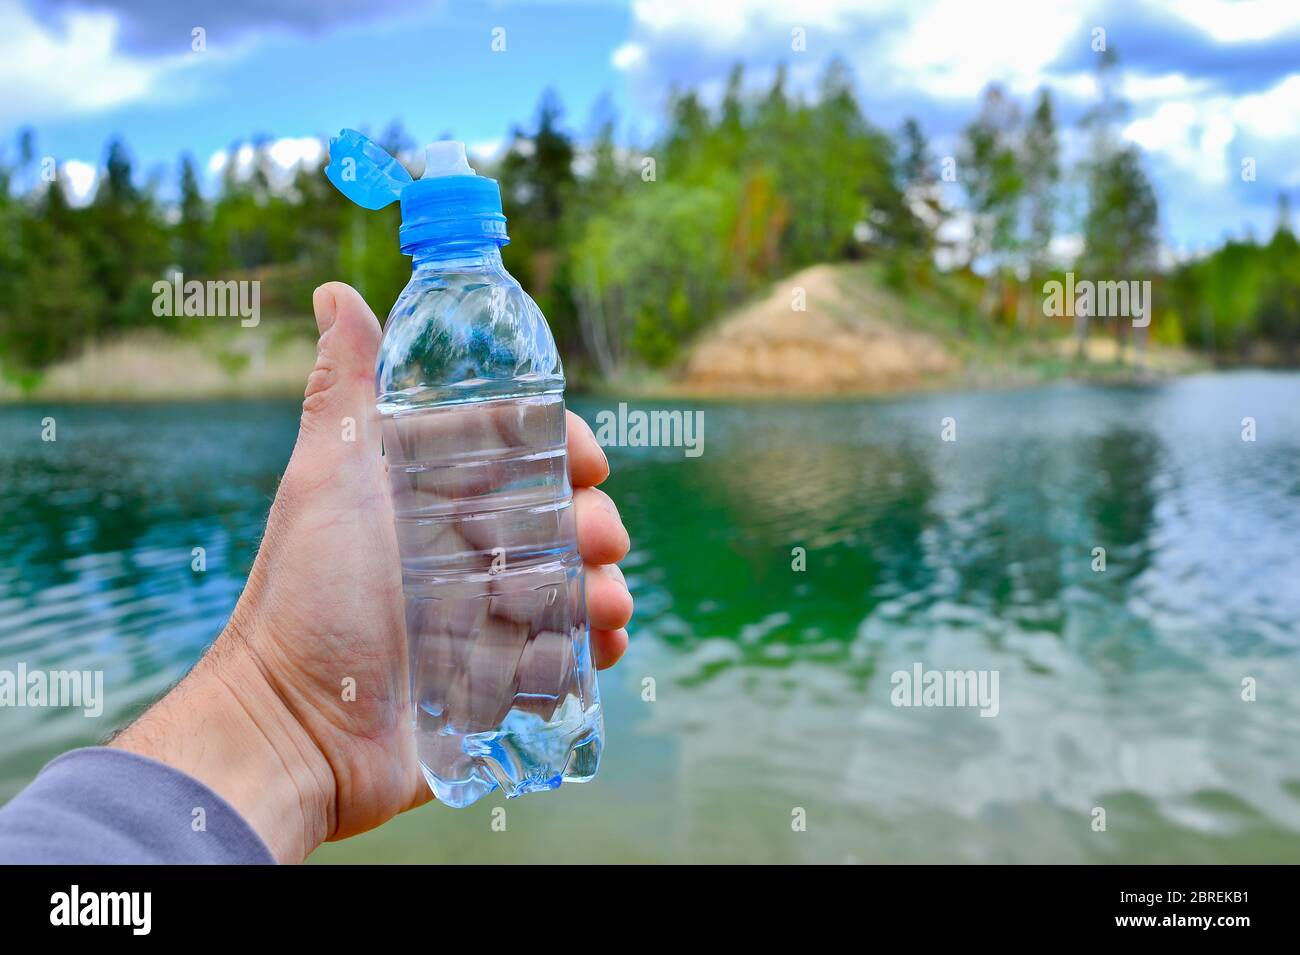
pixel 100 805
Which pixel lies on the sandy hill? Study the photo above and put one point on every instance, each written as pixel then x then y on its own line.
pixel 850 339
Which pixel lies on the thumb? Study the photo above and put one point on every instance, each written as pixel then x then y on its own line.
pixel 338 404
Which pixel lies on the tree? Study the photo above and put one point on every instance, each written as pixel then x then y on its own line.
pixel 538 184
pixel 537 173
pixel 1119 227
pixel 1040 163
pixel 648 273
pixel 919 184
pixel 1279 301
pixel 57 302
pixel 989 171
pixel 191 229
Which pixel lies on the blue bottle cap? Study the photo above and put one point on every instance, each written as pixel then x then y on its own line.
pixel 448 206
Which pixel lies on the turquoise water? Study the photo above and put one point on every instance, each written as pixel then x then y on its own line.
pixel 1119 690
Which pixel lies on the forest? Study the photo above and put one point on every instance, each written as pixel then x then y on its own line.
pixel 632 250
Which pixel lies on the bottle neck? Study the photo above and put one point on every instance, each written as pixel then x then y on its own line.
pixel 457 258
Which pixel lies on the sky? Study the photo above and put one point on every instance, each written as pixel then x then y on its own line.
pixel 1214 85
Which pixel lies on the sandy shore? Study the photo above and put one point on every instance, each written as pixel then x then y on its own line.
pixel 150 366
pixel 827 330
pixel 834 330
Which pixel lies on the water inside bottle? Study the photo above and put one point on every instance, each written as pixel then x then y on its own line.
pixel 503 687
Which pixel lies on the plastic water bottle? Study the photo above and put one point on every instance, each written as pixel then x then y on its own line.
pixel 471 396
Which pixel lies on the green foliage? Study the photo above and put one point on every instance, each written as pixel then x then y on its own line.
pixel 1120 225
pixel 538 190
pixel 992 177
pixel 647 272
pixel 1041 162
pixel 71 275
pixel 1243 295
pixel 632 249
pixel 1119 230
pixel 738 196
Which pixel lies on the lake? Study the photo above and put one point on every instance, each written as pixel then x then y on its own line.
pixel 787 581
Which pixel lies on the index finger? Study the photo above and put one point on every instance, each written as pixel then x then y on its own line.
pixel 588 465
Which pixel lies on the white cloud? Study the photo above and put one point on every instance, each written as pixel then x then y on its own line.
pixel 1065 247
pixel 1140 86
pixel 1167 128
pixel 486 150
pixel 78 181
pixel 953 48
pixel 243 159
pixel 1234 21
pixel 933 59
pixel 946 48
pixel 1194 138
pixel 628 56
pixel 76 68
pixel 721 24
pixel 1272 114
pixel 285 155
pixel 289 152
pixel 75 71
pixel 1196 133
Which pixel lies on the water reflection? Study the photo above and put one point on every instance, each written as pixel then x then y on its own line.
pixel 1119 689
pixel 97 530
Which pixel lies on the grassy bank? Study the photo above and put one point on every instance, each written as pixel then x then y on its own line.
pixel 843 330
pixel 202 361
pixel 827 330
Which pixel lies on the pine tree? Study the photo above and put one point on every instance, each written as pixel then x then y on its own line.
pixel 989 171
pixel 191 229
pixel 1040 162
pixel 1119 227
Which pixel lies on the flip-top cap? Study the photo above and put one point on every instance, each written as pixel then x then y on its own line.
pixel 450 205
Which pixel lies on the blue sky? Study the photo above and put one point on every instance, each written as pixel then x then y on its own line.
pixel 1212 82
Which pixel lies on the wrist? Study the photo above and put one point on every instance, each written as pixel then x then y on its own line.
pixel 225 725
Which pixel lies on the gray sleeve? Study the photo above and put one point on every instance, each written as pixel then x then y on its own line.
pixel 100 806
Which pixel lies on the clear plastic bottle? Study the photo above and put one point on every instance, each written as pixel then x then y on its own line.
pixel 470 391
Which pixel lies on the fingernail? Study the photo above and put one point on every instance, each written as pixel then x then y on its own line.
pixel 323 304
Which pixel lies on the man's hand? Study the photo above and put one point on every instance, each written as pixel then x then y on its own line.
pixel 262 719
